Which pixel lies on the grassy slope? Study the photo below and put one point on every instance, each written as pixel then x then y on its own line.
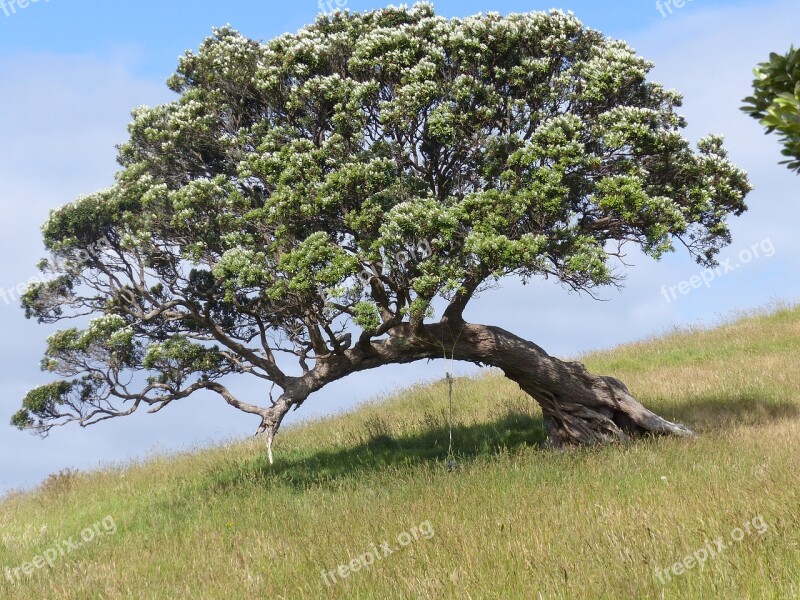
pixel 511 521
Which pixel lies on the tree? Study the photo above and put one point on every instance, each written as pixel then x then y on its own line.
pixel 776 102
pixel 345 180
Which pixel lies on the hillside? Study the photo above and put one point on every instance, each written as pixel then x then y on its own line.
pixel 509 521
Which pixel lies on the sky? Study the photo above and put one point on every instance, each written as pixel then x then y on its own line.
pixel 71 72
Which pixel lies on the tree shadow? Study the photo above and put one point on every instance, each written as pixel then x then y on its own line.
pixel 717 411
pixel 509 433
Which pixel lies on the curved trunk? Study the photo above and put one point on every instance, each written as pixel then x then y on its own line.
pixel 578 408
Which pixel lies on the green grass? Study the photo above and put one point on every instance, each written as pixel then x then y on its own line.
pixel 509 521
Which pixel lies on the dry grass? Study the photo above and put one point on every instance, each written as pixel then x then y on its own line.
pixel 511 521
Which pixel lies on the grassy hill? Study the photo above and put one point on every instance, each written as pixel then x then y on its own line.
pixel 508 521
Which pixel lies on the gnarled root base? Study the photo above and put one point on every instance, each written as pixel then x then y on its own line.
pixel 606 412
pixel 573 424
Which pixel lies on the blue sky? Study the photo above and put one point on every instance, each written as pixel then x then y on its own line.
pixel 72 71
pixel 159 31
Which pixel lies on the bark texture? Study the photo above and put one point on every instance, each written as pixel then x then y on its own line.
pixel 578 408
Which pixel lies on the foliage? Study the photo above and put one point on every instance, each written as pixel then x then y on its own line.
pixel 776 101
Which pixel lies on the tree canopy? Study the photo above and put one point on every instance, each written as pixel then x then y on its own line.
pixel 776 101
pixel 313 197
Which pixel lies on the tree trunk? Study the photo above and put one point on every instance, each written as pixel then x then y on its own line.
pixel 578 408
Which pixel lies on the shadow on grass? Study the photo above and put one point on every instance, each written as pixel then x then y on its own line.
pixel 714 412
pixel 505 434
pixel 511 432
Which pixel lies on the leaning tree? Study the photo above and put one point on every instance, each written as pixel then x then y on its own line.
pixel 304 207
